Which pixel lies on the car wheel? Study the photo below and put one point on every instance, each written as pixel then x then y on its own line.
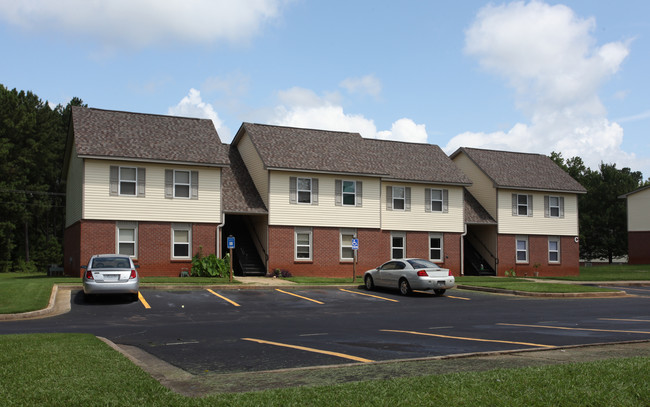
pixel 370 285
pixel 439 292
pixel 404 287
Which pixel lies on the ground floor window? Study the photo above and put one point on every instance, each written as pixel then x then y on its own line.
pixel 435 246
pixel 127 238
pixel 522 249
pixel 304 241
pixel 181 240
pixel 553 249
pixel 346 235
pixel 398 245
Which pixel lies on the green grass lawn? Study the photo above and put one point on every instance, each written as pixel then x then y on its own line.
pixel 521 284
pixel 80 370
pixel 22 292
pixel 614 272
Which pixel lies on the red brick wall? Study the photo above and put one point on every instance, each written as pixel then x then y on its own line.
pixel 538 255
pixel 374 249
pixel 638 247
pixel 72 250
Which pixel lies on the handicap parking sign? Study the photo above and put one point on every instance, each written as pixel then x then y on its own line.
pixel 230 241
pixel 355 244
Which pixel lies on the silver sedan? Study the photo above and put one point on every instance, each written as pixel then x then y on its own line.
pixel 410 274
pixel 111 274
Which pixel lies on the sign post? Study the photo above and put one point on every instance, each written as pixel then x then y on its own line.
pixel 355 249
pixel 230 242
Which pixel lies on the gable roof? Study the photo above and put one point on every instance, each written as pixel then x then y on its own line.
pixel 475 213
pixel 299 149
pixel 239 192
pixel 521 170
pixel 634 192
pixel 146 137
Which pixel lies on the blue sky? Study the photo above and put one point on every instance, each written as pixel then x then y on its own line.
pixel 526 76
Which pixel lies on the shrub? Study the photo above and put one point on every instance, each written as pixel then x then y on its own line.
pixel 210 265
pixel 279 273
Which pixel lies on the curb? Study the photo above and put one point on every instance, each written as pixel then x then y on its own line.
pixel 35 314
pixel 544 295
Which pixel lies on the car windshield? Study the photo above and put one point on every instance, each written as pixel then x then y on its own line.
pixel 422 264
pixel 111 263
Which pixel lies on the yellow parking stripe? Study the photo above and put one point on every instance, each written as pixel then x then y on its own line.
pixel 578 329
pixel 459 298
pixel 618 319
pixel 224 298
pixel 143 301
pixel 324 352
pixel 299 296
pixel 368 295
pixel 467 339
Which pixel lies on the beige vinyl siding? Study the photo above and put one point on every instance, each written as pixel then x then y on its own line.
pixel 73 190
pixel 255 167
pixel 417 219
pixel 154 206
pixel 638 211
pixel 537 224
pixel 482 187
pixel 326 213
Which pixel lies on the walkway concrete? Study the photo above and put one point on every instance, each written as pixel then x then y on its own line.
pixel 263 281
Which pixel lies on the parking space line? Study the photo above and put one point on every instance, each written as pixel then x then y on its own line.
pixel 224 298
pixel 368 295
pixel 619 319
pixel 324 352
pixel 143 301
pixel 576 329
pixel 300 296
pixel 467 339
pixel 458 298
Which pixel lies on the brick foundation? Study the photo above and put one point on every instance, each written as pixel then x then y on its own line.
pixel 569 264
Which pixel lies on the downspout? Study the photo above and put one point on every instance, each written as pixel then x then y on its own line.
pixel 462 250
pixel 219 235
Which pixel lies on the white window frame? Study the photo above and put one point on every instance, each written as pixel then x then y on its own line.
pixel 353 193
pixel 127 226
pixel 526 249
pixel 310 245
pixel 394 235
pixel 310 190
pixel 346 245
pixel 441 248
pixel 181 227
pixel 177 183
pixel 396 198
pixel 520 205
pixel 551 206
pixel 441 200
pixel 128 181
pixel 554 239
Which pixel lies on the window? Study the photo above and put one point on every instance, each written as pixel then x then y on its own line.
pixel 553 206
pixel 522 205
pixel 181 240
pixel 127 238
pixel 522 249
pixel 347 254
pixel 126 181
pixel 182 184
pixel 349 193
pixel 303 238
pixel 303 190
pixel 553 249
pixel 436 200
pixel 435 246
pixel 397 245
pixel 398 198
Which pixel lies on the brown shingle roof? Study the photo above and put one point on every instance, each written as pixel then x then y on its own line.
pixel 239 192
pixel 148 137
pixel 521 170
pixel 475 213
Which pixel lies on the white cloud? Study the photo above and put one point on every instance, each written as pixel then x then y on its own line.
pixel 143 22
pixel 549 56
pixel 301 107
pixel 193 105
pixel 368 84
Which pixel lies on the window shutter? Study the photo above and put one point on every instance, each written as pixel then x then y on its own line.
pixel 445 201
pixel 547 207
pixel 514 204
pixel 314 191
pixel 169 184
pixel 338 187
pixel 293 182
pixel 141 182
pixel 114 182
pixel 427 199
pixel 194 185
pixel 389 198
pixel 561 207
pixel 407 198
pixel 359 194
pixel 530 205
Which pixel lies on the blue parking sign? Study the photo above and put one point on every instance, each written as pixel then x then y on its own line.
pixel 355 244
pixel 230 242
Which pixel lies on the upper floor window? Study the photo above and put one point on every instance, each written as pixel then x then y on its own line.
pixel 126 181
pixel 398 198
pixel 553 206
pixel 303 190
pixel 348 193
pixel 182 184
pixel 522 205
pixel 436 200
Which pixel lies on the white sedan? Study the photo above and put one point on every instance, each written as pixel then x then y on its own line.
pixel 410 274
pixel 111 274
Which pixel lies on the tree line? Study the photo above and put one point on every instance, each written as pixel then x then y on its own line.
pixel 32 193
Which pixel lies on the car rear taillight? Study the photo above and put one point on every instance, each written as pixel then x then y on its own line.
pixel 89 275
pixel 133 275
pixel 422 273
pixel 450 273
